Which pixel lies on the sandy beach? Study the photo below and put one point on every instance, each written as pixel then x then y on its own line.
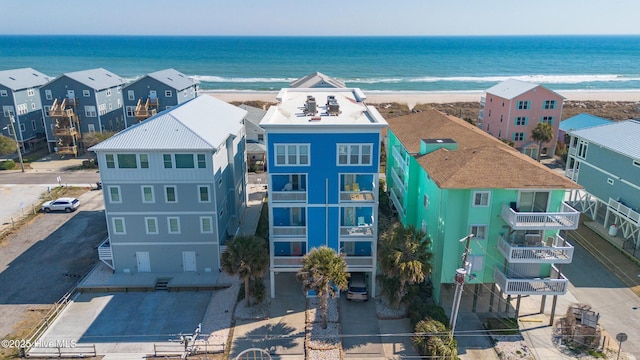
pixel 413 98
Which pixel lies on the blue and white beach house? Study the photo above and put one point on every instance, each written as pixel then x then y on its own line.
pixel 323 147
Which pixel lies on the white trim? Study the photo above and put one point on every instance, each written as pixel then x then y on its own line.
pixel 165 243
pixel 614 176
pixel 119 194
pixel 286 154
pixel 153 195
pixel 169 231
pixel 146 225
pixel 476 237
pixel 208 194
pixel 202 231
pixel 348 154
pixel 124 227
pixel 175 192
pixel 473 200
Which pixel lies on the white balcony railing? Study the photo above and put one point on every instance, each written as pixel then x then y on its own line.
pixel 483 101
pixel 572 174
pixel 366 196
pixel 105 254
pixel 625 211
pixel 359 261
pixel 566 219
pixel 554 251
pixel 397 174
pixel 535 286
pixel 288 196
pixel 289 231
pixel 363 230
pixel 287 261
pixel 397 200
pixel 481 115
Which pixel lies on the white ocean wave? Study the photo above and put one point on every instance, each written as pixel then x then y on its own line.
pixel 215 79
pixel 545 79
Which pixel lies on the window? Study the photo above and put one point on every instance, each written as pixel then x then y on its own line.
pixel 170 194
pixel 3 93
pixel 206 224
pixel 33 125
pixel 22 109
pixel 220 182
pixel 636 163
pixel 425 202
pixel 480 232
pixel 86 93
pixel 127 161
pixel 477 262
pixel 110 107
pixel 168 163
pixel 582 149
pixel 547 120
pixel 260 137
pixel 610 181
pixel 173 225
pixel 522 105
pixel 7 111
pixel 114 195
pixel 33 106
pixel 184 161
pixel 90 111
pixel 292 154
pixel 31 92
pixel 131 111
pixel 151 225
pixel 519 136
pixel 168 93
pixel 203 193
pixel 202 161
pixel 481 198
pixel 102 108
pixel 354 154
pixel 46 108
pixel 111 163
pixel 521 120
pixel 148 195
pixel 118 226
pixel 144 161
pixel 22 128
pixel 549 104
pixel 47 95
pixel 108 92
pixel 131 95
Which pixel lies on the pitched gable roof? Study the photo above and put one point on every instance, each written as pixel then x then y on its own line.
pixel 173 78
pixel 512 88
pixel 315 79
pixel 253 118
pixel 621 137
pixel 97 79
pixel 481 161
pixel 202 123
pixel 18 79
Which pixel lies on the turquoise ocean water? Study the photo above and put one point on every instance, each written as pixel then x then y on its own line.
pixel 371 63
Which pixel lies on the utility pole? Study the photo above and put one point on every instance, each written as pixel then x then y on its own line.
pixel 460 275
pixel 15 137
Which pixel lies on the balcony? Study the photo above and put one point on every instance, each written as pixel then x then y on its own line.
pixel 397 174
pixel 288 188
pixel 355 262
pixel 105 254
pixel 145 109
pixel 572 174
pixel 357 231
pixel 64 131
pixel 66 150
pixel 397 199
pixel 288 196
pixel 531 250
pixel 481 116
pixel 297 231
pixel 287 261
pixel 483 101
pixel 62 109
pixel 626 212
pixel 357 188
pixel 399 157
pixel 566 219
pixel 535 286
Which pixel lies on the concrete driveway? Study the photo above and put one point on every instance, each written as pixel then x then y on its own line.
pixel 43 261
pixel 360 329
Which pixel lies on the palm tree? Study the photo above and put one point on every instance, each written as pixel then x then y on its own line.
pixel 542 133
pixel 321 268
pixel 404 259
pixel 247 257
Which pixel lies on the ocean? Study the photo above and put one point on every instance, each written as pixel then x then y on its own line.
pixel 412 64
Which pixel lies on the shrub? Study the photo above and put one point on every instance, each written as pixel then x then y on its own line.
pixel 7 165
pixel 433 339
pixel 89 164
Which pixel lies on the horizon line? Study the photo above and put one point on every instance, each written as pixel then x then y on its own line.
pixel 320 36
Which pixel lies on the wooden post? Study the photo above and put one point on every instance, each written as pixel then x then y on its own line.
pixel 542 303
pixel 517 307
pixel 476 290
pixel 553 309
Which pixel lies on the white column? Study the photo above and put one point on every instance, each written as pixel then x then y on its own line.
pixel 272 280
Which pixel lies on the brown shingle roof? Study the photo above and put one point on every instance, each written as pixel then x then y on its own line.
pixel 481 161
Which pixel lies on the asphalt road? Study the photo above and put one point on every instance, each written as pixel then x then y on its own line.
pixel 591 283
pixel 49 177
pixel 44 260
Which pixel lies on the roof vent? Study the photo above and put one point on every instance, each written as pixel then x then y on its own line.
pixel 12 78
pixel 333 108
pixel 109 75
pixel 90 78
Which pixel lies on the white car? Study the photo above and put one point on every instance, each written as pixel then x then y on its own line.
pixel 62 204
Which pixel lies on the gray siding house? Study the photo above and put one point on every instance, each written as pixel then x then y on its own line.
pixel 174 188
pixel 155 92
pixel 256 149
pixel 78 103
pixel 20 100
pixel 605 160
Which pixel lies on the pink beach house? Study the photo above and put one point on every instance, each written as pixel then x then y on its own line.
pixel 511 109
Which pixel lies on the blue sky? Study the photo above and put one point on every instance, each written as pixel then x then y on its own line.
pixel 325 17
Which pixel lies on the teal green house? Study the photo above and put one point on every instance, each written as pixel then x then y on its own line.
pixel 451 179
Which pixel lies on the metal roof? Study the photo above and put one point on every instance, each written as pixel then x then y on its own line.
pixel 97 79
pixel 621 137
pixel 511 88
pixel 254 116
pixel 202 123
pixel 312 80
pixel 18 79
pixel 173 78
pixel 582 121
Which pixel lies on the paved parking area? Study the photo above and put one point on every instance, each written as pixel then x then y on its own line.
pixel 128 322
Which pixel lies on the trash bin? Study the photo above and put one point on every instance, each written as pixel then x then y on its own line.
pixel 613 230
